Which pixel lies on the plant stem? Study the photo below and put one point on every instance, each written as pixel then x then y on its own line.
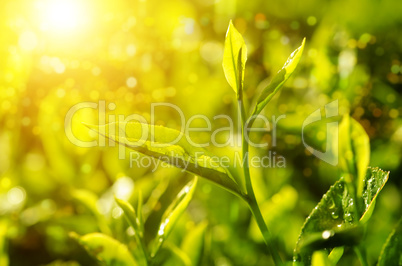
pixel 255 210
pixel 251 200
pixel 144 250
pixel 361 254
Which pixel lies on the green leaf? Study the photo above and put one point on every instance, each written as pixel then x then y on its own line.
pixel 89 200
pixel 234 58
pixel 179 256
pixel 391 251
pixel 140 215
pixel 349 235
pixel 4 226
pixel 129 213
pixel 279 79
pixel 134 222
pixel 320 258
pixel 154 198
pixel 193 243
pixel 173 212
pixel 354 151
pixel 332 222
pixel 172 147
pixel 336 255
pixel 106 249
pixel 373 183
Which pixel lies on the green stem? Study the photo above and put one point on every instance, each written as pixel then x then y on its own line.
pixel 361 254
pixel 255 210
pixel 251 200
pixel 144 250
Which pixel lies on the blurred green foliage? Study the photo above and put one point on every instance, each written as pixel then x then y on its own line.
pixel 133 53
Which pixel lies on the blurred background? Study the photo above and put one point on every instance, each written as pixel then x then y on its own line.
pixel 55 54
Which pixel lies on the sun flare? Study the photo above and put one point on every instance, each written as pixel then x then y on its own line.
pixel 61 15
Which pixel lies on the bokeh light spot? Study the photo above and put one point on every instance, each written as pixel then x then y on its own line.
pixel 395 69
pixel 16 195
pixel 131 82
pixel 123 188
pixel 28 41
pixel 212 52
pixel 393 113
pixel 311 20
pixel 131 50
pixel 26 121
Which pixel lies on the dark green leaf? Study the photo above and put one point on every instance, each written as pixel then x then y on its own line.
pixel 279 79
pixel 106 249
pixel 391 253
pixel 234 58
pixel 344 235
pixel 335 213
pixel 173 213
pixel 172 147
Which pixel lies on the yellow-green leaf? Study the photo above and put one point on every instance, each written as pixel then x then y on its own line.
pixel 172 147
pixel 193 243
pixel 4 225
pixel 106 249
pixel 354 151
pixel 129 213
pixel 234 58
pixel 134 222
pixel 279 79
pixel 139 210
pixel 320 258
pixel 336 255
pixel 89 200
pixel 173 213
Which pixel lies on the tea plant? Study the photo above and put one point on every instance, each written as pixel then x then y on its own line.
pixel 337 223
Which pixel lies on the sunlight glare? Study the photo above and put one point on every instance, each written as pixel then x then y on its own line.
pixel 61 15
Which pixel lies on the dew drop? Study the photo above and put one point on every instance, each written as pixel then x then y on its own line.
pixel 348 217
pixel 326 234
pixel 334 215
